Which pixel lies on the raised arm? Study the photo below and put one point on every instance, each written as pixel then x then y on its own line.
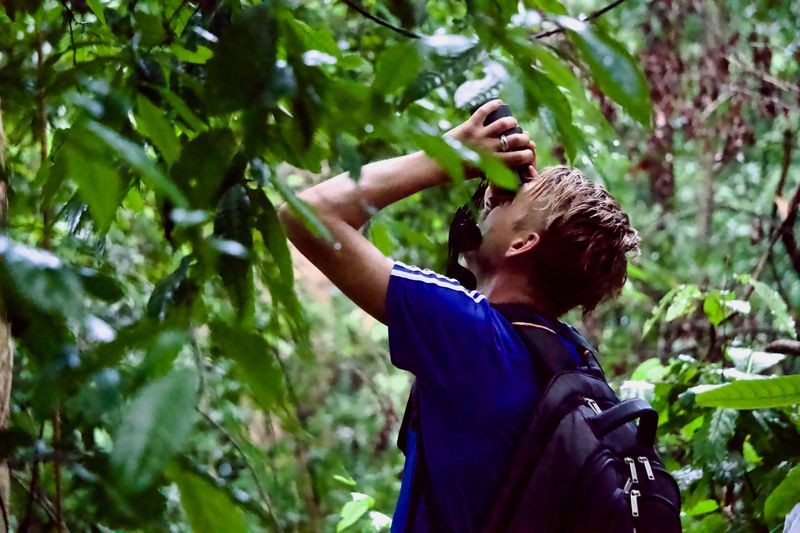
pixel 351 262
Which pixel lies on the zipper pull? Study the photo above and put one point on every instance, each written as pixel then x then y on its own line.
pixel 647 468
pixel 628 484
pixel 632 466
pixel 635 503
pixel 593 406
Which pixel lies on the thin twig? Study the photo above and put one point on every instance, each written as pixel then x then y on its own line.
pixel 784 226
pixel 589 17
pixel 57 472
pixel 262 493
pixel 402 31
pixel 38 497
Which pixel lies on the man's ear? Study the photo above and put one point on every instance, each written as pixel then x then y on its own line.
pixel 523 244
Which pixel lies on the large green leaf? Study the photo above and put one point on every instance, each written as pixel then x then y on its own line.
pixel 136 157
pixel 41 278
pixel 781 318
pixel 353 510
pixel 200 171
pixel 711 440
pixel 785 496
pixel 240 73
pixel 233 224
pixel 154 428
pixel 166 291
pixel 753 393
pixel 612 67
pixel 396 68
pixel 209 509
pixel 545 92
pixel 98 182
pixel 152 123
pixel 255 362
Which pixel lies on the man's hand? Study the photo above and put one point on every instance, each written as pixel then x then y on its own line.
pixel 521 150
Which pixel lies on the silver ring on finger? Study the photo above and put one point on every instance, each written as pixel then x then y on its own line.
pixel 503 143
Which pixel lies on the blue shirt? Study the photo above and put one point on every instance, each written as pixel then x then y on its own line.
pixel 476 386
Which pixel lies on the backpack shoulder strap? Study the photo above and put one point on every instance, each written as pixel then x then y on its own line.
pixel 545 339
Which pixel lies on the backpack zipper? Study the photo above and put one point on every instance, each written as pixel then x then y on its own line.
pixel 593 406
pixel 632 465
pixel 647 468
pixel 635 503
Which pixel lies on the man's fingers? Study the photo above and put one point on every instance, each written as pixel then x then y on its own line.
pixel 515 141
pixel 533 149
pixel 518 158
pixel 483 111
pixel 496 128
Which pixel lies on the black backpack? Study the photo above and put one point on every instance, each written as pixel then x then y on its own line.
pixel 582 464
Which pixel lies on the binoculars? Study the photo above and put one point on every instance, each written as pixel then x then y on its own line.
pixel 465 235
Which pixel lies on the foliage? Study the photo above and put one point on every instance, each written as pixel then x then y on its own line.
pixel 168 374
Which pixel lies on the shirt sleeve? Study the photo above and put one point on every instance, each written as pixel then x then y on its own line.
pixel 436 326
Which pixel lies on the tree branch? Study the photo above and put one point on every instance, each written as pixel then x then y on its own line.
pixel 589 17
pixel 402 31
pixel 787 346
pixel 264 496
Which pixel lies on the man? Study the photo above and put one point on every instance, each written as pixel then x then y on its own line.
pixel 558 243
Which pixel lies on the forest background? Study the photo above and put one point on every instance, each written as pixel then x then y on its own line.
pixel 167 363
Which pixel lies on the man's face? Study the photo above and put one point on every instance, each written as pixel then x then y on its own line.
pixel 501 210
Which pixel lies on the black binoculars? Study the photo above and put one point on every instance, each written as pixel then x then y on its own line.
pixel 465 235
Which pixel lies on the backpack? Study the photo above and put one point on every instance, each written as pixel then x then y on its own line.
pixel 582 463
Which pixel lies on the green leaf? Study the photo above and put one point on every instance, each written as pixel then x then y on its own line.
pixel 353 510
pixel 199 56
pixel 150 28
pixel 752 361
pixel 100 285
pixel 785 496
pixel 396 68
pixel 613 69
pixel 659 310
pixel 545 92
pixel 209 509
pixel 703 507
pixel 200 172
pixel 97 8
pixel 162 353
pixel 41 278
pixel 165 291
pixel 437 148
pixel 135 156
pixel 684 302
pixel 255 362
pixel 781 318
pixel 650 370
pixel 152 123
pixel 711 440
pixel 553 7
pixel 714 308
pixel 753 393
pixel 440 70
pixel 301 209
pixel 381 237
pixel 494 169
pixel 233 223
pixel 240 73
pixel 98 183
pixel 271 231
pixel 154 428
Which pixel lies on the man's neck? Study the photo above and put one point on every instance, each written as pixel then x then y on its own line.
pixel 511 288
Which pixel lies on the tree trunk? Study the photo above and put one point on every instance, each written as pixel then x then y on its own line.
pixel 6 350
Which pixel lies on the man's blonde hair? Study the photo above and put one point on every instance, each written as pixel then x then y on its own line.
pixel 582 258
